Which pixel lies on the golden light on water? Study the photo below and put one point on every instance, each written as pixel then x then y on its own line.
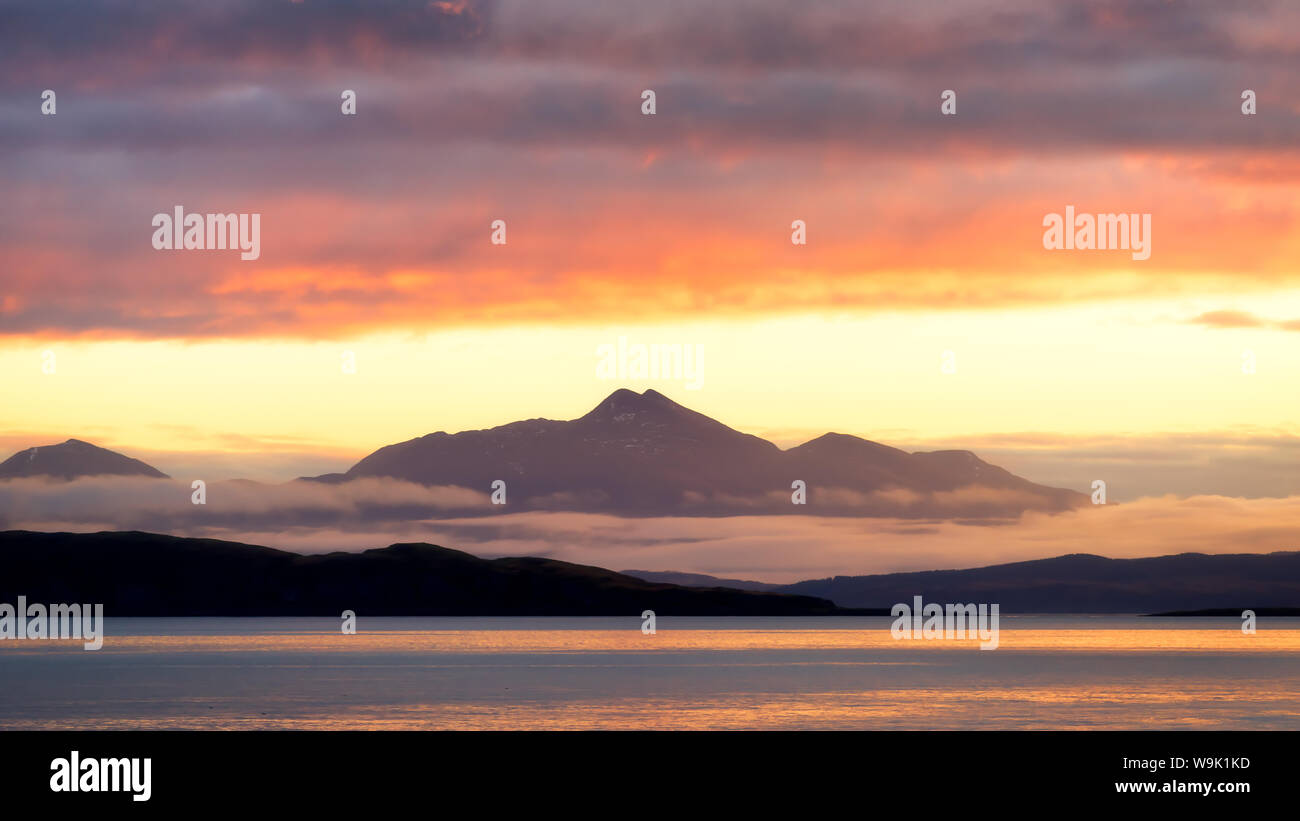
pixel 1220 640
pixel 859 677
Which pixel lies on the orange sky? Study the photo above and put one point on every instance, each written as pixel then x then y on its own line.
pixel 924 230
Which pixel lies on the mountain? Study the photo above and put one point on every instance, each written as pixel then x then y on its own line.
pixel 645 454
pixel 697 580
pixel 1082 583
pixel 1233 613
pixel 72 460
pixel 146 574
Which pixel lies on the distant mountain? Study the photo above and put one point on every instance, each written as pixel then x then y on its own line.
pixel 72 460
pixel 146 574
pixel 1233 613
pixel 1082 583
pixel 697 580
pixel 645 454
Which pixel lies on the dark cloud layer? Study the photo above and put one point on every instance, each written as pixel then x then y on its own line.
pixel 317 518
pixel 83 33
pixel 1031 75
pixel 531 110
pixel 762 35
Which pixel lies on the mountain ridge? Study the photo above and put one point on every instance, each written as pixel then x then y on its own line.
pixel 74 459
pixel 134 573
pixel 646 454
pixel 1084 583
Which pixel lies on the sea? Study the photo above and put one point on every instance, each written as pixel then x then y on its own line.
pixel 835 673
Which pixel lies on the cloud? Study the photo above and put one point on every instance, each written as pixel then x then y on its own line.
pixel 1242 463
pixel 790 548
pixel 1227 319
pixel 71 35
pixel 830 113
pixel 989 503
pixel 758 35
pixel 1241 319
pixel 129 503
pixel 312 517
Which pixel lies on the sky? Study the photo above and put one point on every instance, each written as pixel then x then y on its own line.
pixel 923 311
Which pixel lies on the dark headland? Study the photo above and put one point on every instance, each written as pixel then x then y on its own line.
pixel 1232 612
pixel 147 574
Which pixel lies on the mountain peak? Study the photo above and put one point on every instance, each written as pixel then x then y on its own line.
pixel 623 404
pixel 74 459
pixel 644 453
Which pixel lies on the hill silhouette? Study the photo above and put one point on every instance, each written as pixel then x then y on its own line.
pixel 74 459
pixel 1083 583
pixel 147 574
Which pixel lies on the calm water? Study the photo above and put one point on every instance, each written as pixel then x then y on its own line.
pixel 1049 672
